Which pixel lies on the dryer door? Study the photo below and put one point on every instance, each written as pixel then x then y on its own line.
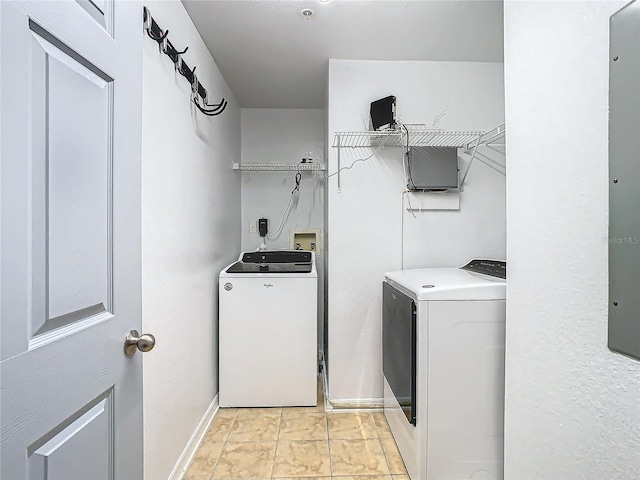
pixel 399 347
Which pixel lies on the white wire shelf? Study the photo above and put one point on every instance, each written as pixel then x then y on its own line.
pixel 279 167
pixel 367 139
pixel 495 136
pixel 419 136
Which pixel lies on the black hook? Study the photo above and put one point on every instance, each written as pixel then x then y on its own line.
pixel 212 113
pixel 197 90
pixel 161 39
pixel 214 106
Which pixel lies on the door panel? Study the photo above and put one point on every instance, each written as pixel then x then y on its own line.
pixel 70 400
pixel 71 115
pixel 46 387
pixel 100 11
pixel 56 458
pixel 40 34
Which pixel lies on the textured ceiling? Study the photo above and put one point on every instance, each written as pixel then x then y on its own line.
pixel 272 57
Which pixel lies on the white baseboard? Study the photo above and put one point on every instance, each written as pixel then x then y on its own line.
pixel 189 452
pixel 346 404
pixel 354 403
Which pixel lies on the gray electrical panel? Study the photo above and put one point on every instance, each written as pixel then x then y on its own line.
pixel 432 168
pixel 624 181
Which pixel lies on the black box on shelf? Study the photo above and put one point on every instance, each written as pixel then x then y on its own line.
pixel 383 113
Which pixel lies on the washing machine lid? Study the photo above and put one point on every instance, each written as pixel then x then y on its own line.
pixel 273 263
pixel 279 267
pixel 448 284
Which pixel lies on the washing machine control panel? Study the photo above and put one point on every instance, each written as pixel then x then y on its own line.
pixel 274 261
pixel 277 256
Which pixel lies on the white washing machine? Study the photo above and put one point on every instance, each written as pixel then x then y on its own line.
pixel 443 365
pixel 268 330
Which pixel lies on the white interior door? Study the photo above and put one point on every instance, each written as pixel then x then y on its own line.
pixel 70 126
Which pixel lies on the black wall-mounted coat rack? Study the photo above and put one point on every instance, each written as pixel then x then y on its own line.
pixel 198 93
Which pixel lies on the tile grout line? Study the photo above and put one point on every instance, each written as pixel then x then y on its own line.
pixel 224 444
pixel 384 453
pixel 326 421
pixel 275 450
pixel 391 439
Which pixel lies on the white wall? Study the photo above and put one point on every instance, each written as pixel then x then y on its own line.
pixel 191 229
pixel 572 406
pixel 283 136
pixel 365 219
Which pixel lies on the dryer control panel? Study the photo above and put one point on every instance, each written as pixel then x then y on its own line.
pixel 494 268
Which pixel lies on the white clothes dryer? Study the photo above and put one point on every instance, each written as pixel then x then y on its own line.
pixel 443 365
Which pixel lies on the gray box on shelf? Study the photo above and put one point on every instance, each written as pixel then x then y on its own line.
pixel 432 168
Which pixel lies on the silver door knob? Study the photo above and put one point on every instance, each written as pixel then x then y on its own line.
pixel 134 340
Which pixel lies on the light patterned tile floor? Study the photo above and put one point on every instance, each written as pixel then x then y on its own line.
pixel 301 443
